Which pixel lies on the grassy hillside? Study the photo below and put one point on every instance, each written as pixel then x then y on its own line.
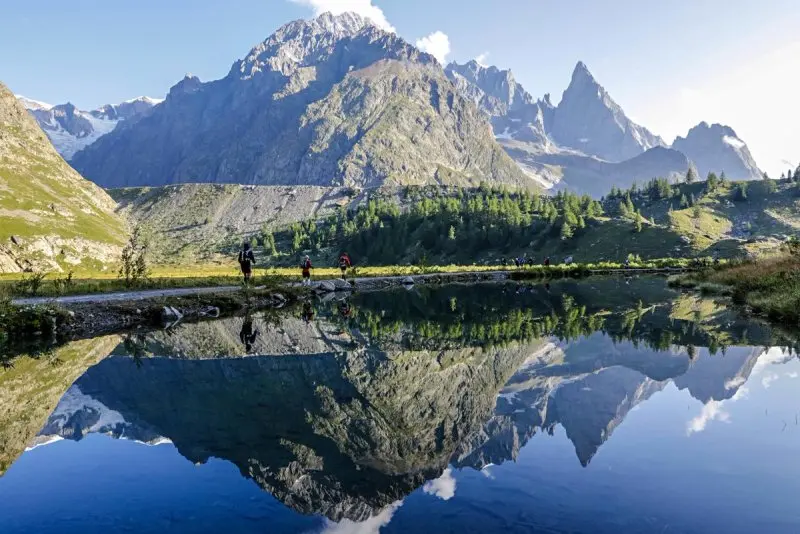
pixel 727 218
pixel 49 215
pixel 769 286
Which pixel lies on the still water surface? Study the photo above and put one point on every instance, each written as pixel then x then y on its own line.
pixel 595 406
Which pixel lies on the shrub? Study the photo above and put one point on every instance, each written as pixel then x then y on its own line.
pixel 133 269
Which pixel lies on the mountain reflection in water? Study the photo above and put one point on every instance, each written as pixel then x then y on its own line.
pixel 346 414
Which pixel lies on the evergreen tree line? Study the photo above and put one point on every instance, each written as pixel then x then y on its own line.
pixel 627 203
pixel 457 223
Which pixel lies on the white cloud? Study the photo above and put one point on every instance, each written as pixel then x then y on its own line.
pixel 482 59
pixel 372 525
pixel 436 44
pixel 713 411
pixel 768 380
pixel 443 487
pixel 365 8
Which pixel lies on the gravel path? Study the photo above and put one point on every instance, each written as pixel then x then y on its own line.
pixel 125 296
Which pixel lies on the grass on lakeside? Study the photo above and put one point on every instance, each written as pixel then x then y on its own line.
pixel 55 284
pixel 771 286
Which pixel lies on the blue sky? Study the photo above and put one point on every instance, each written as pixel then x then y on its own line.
pixel 670 64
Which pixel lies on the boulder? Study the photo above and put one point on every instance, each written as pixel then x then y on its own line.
pixel 326 287
pixel 170 315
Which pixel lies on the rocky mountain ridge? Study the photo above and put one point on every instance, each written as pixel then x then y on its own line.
pixel 586 143
pixel 330 101
pixel 71 129
pixel 715 148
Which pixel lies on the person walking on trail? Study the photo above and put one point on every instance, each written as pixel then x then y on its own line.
pixel 344 264
pixel 246 261
pixel 306 268
pixel 547 261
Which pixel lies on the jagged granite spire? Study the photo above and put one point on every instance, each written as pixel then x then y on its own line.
pixel 588 119
pixel 514 113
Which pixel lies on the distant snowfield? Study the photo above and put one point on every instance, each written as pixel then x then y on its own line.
pixel 735 142
pixel 68 144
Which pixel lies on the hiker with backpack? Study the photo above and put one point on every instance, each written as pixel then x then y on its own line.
pixel 246 261
pixel 344 264
pixel 306 269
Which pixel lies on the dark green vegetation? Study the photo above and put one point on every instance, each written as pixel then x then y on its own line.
pixel 715 216
pixel 198 224
pixel 28 328
pixel 441 225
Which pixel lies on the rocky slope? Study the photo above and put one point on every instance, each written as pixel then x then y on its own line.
pixel 587 144
pixel 331 101
pixel 71 129
pixel 49 215
pixel 513 111
pixel 717 148
pixel 190 222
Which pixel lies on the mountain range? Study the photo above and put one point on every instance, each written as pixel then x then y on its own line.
pixel 71 129
pixel 586 143
pixel 331 101
pixel 336 101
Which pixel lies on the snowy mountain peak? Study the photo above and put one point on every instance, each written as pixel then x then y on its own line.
pixel 348 23
pixel 32 104
pixel 71 129
pixel 588 119
pixel 302 43
pixel 145 99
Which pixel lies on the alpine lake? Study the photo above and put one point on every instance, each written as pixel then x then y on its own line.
pixel 606 405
